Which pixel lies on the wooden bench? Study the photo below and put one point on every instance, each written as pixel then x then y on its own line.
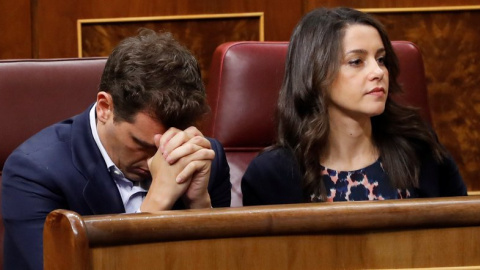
pixel 441 232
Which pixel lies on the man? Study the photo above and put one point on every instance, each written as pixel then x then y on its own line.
pixel 137 136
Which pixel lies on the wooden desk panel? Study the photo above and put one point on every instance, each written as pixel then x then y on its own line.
pixel 369 235
pixel 370 250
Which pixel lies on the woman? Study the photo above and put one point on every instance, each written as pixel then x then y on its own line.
pixel 341 137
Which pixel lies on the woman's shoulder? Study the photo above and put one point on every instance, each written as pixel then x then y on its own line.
pixel 276 151
pixel 274 165
pixel 272 177
pixel 441 178
pixel 275 156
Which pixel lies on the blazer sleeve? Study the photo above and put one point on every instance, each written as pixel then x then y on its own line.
pixel 272 178
pixel 219 186
pixel 27 198
pixel 451 182
pixel 440 179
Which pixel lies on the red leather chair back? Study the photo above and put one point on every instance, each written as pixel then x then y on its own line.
pixel 244 82
pixel 412 77
pixel 37 93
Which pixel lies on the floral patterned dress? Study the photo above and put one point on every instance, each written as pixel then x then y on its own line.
pixel 369 183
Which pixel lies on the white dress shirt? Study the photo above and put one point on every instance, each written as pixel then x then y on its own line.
pixel 132 195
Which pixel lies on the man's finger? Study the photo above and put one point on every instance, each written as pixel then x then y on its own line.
pixel 193 167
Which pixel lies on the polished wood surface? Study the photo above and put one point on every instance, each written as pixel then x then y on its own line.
pixel 381 234
pixel 68 239
pixel 282 16
pixel 363 250
pixel 15 29
pixel 311 4
pixel 201 34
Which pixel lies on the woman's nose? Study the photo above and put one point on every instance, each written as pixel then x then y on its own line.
pixel 377 71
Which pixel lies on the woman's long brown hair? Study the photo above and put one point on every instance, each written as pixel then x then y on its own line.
pixel 312 63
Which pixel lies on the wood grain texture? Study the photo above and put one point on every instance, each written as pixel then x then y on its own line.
pixel 311 4
pixel 69 232
pixel 409 248
pixel 279 220
pixel 60 17
pixel 200 35
pixel 15 29
pixel 382 234
pixel 449 42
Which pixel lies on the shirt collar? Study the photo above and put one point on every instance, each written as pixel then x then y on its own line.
pixel 93 126
pixel 112 168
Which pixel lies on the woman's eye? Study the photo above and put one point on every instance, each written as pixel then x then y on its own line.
pixel 381 60
pixel 355 62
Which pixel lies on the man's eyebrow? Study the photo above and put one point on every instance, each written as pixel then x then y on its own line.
pixel 143 143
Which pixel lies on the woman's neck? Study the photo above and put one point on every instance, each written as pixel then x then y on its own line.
pixel 350 144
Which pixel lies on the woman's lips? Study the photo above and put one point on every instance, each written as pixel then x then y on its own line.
pixel 377 91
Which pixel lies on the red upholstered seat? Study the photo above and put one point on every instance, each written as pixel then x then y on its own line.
pixel 244 81
pixel 412 77
pixel 37 93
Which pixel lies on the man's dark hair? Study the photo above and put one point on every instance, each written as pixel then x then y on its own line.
pixel 152 73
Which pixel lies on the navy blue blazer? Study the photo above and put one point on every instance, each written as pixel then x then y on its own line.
pixel 274 177
pixel 61 167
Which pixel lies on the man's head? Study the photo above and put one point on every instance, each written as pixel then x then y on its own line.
pixel 154 74
pixel 150 83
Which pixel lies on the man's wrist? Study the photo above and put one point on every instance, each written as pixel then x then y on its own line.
pixel 203 202
pixel 156 204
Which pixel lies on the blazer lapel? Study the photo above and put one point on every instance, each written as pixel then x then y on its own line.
pixel 100 191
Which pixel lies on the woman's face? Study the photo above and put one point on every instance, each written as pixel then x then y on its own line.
pixel 360 87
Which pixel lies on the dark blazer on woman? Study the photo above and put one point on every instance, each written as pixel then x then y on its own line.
pixel 274 177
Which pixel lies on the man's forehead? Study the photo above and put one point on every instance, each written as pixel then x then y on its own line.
pixel 144 127
pixel 146 120
pixel 147 143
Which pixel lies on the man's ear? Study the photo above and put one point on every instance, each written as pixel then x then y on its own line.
pixel 104 106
